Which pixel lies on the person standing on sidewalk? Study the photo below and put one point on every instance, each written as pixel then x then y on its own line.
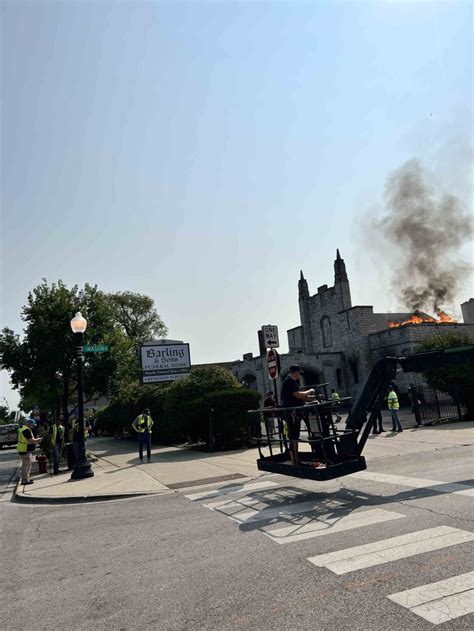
pixel 57 440
pixel 394 406
pixel 142 425
pixel 25 448
pixel 379 422
pixel 335 397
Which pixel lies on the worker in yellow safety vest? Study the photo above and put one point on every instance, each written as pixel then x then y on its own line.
pixel 335 397
pixel 394 406
pixel 142 425
pixel 26 447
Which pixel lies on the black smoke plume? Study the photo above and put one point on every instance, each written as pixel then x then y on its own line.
pixel 426 229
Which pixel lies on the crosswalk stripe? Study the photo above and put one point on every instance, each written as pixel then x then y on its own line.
pixel 392 549
pixel 230 489
pixel 416 483
pixel 440 601
pixel 330 523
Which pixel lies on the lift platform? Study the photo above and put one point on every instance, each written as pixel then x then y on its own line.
pixel 329 452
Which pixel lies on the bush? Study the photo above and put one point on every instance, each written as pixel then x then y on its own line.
pixel 181 417
pixel 230 420
pixel 119 414
pixel 180 409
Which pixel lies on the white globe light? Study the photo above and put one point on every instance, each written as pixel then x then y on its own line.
pixel 78 323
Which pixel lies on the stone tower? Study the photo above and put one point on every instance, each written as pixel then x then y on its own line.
pixel 341 283
pixel 305 315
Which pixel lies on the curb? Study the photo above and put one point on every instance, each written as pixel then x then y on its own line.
pixel 80 499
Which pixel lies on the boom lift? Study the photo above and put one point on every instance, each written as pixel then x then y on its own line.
pixel 340 450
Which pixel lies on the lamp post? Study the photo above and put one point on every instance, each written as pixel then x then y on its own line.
pixel 82 468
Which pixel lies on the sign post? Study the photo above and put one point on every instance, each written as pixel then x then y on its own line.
pixel 273 364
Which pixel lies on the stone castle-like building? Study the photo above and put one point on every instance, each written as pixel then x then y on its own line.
pixel 337 343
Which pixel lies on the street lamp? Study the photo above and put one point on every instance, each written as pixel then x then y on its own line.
pixel 82 468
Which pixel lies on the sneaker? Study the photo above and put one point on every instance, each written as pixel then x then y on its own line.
pixel 149 460
pixel 141 460
pixel 400 430
pixel 27 482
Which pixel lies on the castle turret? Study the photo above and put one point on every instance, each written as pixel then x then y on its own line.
pixel 341 283
pixel 303 290
pixel 305 318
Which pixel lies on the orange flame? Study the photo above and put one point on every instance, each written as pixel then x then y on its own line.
pixel 417 319
pixel 444 317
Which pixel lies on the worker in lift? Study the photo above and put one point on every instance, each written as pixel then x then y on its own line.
pixel 293 396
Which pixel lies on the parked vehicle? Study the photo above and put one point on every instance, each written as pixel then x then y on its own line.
pixel 8 435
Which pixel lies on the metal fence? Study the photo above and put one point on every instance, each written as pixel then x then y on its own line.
pixel 432 406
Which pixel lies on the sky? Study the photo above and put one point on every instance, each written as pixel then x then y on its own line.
pixel 202 153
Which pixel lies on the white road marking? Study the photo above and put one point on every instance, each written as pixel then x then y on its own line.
pixel 330 523
pixel 441 601
pixel 416 483
pixel 392 549
pixel 230 489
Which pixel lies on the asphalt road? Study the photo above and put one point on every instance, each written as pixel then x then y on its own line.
pixel 233 558
pixel 9 462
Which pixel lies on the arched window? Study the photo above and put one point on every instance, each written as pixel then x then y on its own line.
pixel 326 331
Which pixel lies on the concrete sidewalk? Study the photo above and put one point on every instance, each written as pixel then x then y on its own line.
pixel 119 474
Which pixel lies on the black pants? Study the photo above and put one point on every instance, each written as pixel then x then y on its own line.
pixel 379 422
pixel 329 451
pixel 144 438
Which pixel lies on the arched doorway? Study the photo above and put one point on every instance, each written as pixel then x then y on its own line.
pixel 250 381
pixel 310 377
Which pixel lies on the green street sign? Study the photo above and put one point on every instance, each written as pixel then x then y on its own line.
pixel 96 348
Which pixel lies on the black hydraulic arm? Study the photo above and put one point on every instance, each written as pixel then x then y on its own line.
pixel 368 403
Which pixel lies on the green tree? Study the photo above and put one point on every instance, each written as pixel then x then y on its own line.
pixel 136 315
pixel 42 364
pixel 4 414
pixel 455 379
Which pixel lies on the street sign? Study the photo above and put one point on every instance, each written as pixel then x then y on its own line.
pixel 95 348
pixel 270 336
pixel 272 363
pixel 164 362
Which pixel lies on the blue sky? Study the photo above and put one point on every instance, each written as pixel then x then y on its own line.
pixel 204 152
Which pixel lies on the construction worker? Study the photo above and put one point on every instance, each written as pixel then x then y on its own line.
pixel 142 425
pixel 25 447
pixel 335 397
pixel 394 406
pixel 57 441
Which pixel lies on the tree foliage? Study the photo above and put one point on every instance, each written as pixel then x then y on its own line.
pixel 457 380
pixel 136 316
pixel 42 363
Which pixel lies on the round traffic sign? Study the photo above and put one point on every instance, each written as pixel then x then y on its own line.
pixel 272 363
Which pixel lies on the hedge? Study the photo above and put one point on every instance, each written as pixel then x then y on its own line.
pixel 181 409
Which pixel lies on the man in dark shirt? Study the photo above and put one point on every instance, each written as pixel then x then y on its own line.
pixel 269 417
pixel 292 396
